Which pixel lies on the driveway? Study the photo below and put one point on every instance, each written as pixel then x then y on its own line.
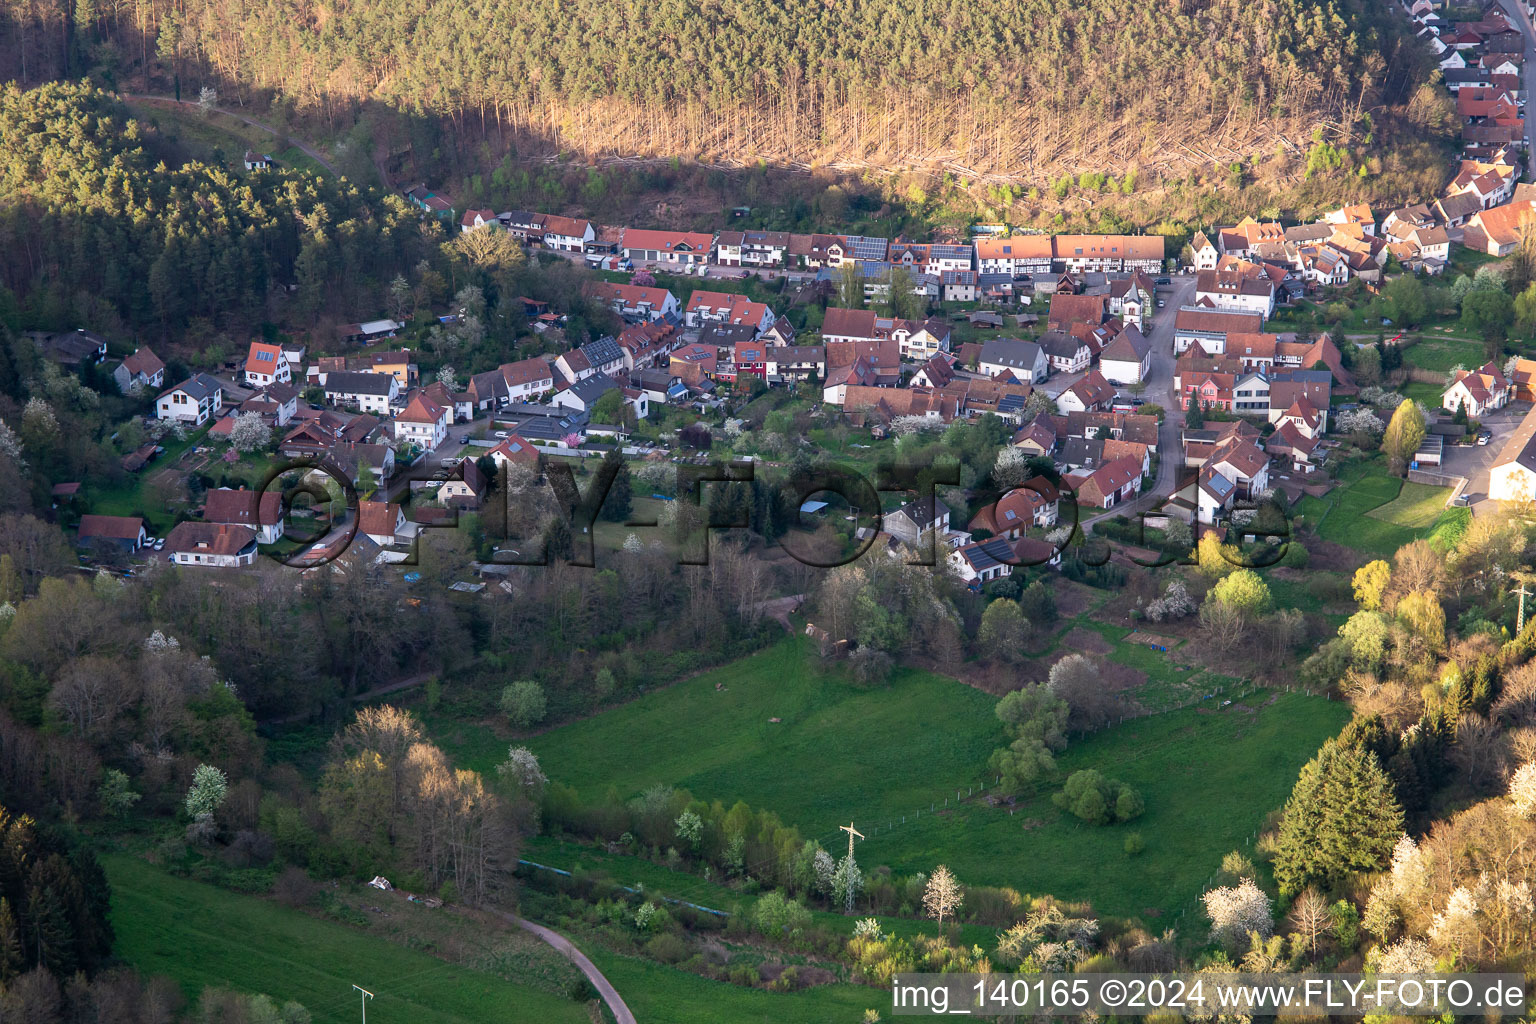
pixel 621 1013
pixel 1475 461
pixel 430 463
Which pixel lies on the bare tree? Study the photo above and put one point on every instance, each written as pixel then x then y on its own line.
pixel 1309 917
pixel 943 895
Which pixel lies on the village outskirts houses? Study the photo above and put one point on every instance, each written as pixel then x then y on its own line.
pixel 1127 359
pixel 266 364
pixel 365 391
pixel 211 545
pixel 261 511
pixel 727 308
pixel 634 302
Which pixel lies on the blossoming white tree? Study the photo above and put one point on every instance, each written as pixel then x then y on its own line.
pixel 1237 910
pixel 1522 791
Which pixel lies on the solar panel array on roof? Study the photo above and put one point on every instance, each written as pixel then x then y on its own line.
pixel 869 248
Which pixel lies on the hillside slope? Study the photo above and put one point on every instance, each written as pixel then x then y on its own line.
pixel 1015 89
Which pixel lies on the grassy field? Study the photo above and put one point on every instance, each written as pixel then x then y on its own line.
pixel 1376 513
pixel 891 760
pixel 1422 391
pixel 1416 506
pixel 657 993
pixel 1440 354
pixel 217 137
pixel 199 935
pixel 889 747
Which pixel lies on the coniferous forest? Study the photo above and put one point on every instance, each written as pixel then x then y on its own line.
pixel 1011 88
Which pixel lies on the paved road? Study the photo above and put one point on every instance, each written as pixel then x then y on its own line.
pixel 1160 391
pixel 621 1013
pixel 1521 19
pixel 170 101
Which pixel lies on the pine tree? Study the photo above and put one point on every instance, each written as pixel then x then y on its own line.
pixel 1342 817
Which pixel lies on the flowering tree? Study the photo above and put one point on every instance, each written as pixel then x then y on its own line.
pixel 207 98
pixel 10 445
pixel 522 768
pixel 905 426
pixel 250 433
pixel 1011 467
pixel 1174 604
pixel 1410 956
pixel 1236 910
pixel 1522 791
pixel 447 377
pixel 943 895
pixel 208 789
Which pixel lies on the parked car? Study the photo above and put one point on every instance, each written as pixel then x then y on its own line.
pixel 1461 501
pixel 463 439
pixel 1483 437
pixel 159 543
pixel 450 463
pixel 503 433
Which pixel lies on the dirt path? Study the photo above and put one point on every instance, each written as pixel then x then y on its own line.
pixel 621 1013
pixel 168 101
pixel 780 608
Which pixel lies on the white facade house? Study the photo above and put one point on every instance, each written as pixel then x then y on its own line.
pixel 267 364
pixel 422 422
pixel 194 401
pixel 216 545
pixel 1237 292
pixel 367 392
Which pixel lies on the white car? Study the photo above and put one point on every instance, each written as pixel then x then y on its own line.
pixel 503 433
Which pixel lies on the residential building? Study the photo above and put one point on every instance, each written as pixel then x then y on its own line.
pixel 751 248
pixel 1016 256
pixel 1208 328
pixel 422 422
pixel 1232 290
pixel 909 522
pixel 679 247
pixel 727 308
pixel 528 379
pixel 566 234
pixel 1033 503
pixel 382 522
pixel 1513 475
pixel 1089 393
pixel 1113 483
pixel 636 303
pixel 143 369
pixel 217 545
pixel 367 392
pixel 194 401
pixel 1478 392
pixel 1204 252
pixel 585 393
pixel 1128 358
pixel 982 562
pixel 1065 353
pixel 261 511
pixel 1023 359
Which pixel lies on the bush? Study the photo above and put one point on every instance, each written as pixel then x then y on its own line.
pixel 523 703
pixel 668 948
pixel 1098 800
pixel 1134 844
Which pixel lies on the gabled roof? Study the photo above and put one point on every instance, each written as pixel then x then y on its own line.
pixel 209 539
pixel 240 507
pixel 359 382
pixel 143 363
pixel 421 409
pixel 198 386
pixel 378 518
pixel 527 371
pixel 110 527
pixel 1129 346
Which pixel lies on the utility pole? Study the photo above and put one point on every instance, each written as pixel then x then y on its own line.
pixel 366 995
pixel 1524 578
pixel 852 832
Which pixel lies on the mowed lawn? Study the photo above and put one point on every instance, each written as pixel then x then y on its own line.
pixel 1416 506
pixel 837 749
pixel 200 935
pixel 1376 513
pixel 892 759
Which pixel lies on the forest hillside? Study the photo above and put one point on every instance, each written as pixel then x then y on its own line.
pixel 1015 90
